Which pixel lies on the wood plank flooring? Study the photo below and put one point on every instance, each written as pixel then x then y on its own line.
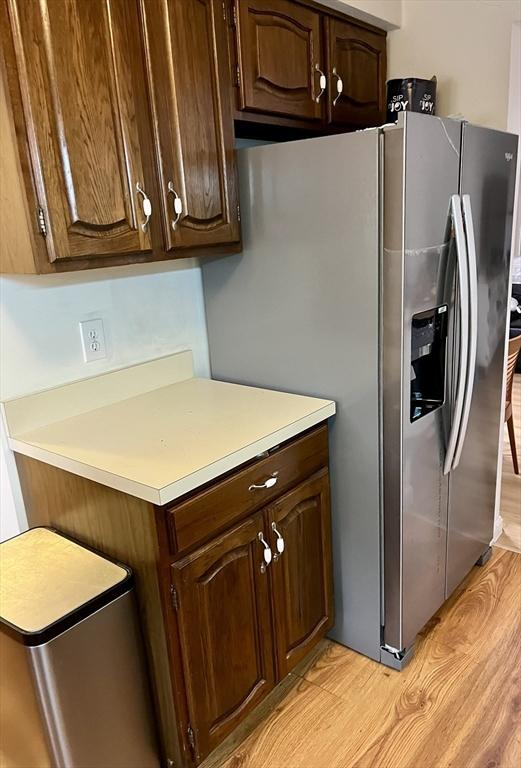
pixel 457 704
pixel 510 506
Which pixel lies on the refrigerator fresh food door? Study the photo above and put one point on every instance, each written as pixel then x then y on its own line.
pixel 488 170
pixel 419 264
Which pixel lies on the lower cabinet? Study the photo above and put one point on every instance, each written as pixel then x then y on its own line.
pixel 223 599
pixel 250 605
pixel 301 576
pixel 233 582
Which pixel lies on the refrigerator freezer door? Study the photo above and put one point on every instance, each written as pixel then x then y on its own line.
pixel 421 173
pixel 488 177
pixel 299 310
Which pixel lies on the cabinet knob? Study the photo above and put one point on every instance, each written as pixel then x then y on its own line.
pixel 147 206
pixel 267 554
pixel 322 83
pixel 339 86
pixel 280 541
pixel 178 204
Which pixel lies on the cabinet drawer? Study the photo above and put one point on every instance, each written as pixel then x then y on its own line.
pixel 226 501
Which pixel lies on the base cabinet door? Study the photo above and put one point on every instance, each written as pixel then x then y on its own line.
pixel 357 72
pixel 187 69
pixel 225 632
pixel 280 54
pixel 302 591
pixel 81 80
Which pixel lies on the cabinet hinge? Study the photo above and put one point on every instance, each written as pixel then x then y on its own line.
pixel 42 221
pixel 175 601
pixel 238 213
pixel 237 75
pixel 224 10
pixel 234 15
pixel 191 736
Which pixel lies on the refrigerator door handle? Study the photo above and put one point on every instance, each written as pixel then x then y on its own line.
pixel 463 286
pixel 473 325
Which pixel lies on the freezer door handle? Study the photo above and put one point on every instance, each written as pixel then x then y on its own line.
pixel 473 325
pixel 463 286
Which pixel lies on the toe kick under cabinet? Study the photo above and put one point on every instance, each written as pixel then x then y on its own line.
pixel 234 581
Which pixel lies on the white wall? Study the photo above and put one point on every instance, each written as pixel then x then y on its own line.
pixel 466 44
pixel 147 310
pixel 386 14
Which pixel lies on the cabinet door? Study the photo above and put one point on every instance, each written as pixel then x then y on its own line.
pixel 356 60
pixel 188 78
pixel 79 65
pixel 302 574
pixel 225 631
pixel 279 47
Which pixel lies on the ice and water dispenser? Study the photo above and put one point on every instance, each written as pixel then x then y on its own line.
pixel 428 357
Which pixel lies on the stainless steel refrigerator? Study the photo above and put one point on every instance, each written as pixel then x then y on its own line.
pixel 375 272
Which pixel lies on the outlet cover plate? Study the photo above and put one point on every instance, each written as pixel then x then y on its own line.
pixel 93 340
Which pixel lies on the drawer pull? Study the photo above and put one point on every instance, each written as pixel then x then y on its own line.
pixel 280 540
pixel 269 483
pixel 267 551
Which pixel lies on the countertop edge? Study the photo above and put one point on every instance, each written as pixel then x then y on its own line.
pixel 169 493
pixel 233 460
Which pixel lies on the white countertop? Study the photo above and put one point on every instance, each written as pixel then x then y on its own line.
pixel 153 430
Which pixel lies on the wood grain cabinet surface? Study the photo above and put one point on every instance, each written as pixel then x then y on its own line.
pixel 299 64
pixel 122 130
pixel 223 595
pixel 302 590
pixel 188 76
pixel 82 91
pixel 223 622
pixel 280 52
pixel 357 68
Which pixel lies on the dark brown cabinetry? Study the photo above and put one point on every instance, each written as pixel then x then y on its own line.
pixel 298 64
pixel 187 69
pixel 357 67
pixel 280 56
pixel 225 631
pixel 302 589
pixel 223 621
pixel 82 91
pixel 123 130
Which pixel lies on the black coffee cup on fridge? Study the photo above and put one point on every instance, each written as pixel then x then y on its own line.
pixel 410 94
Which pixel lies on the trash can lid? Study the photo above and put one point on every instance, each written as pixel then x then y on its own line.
pixel 49 583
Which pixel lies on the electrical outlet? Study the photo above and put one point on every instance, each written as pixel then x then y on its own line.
pixel 93 340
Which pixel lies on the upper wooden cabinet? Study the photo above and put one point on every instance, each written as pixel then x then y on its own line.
pixel 82 92
pixel 123 130
pixel 298 65
pixel 357 69
pixel 280 53
pixel 187 68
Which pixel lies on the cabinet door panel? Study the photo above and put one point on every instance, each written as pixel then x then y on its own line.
pixel 358 57
pixel 82 85
pixel 225 632
pixel 279 44
pixel 187 67
pixel 301 575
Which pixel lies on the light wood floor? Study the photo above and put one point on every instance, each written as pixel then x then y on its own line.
pixel 510 483
pixel 457 704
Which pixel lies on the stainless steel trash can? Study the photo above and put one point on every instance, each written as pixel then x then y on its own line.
pixel 74 692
